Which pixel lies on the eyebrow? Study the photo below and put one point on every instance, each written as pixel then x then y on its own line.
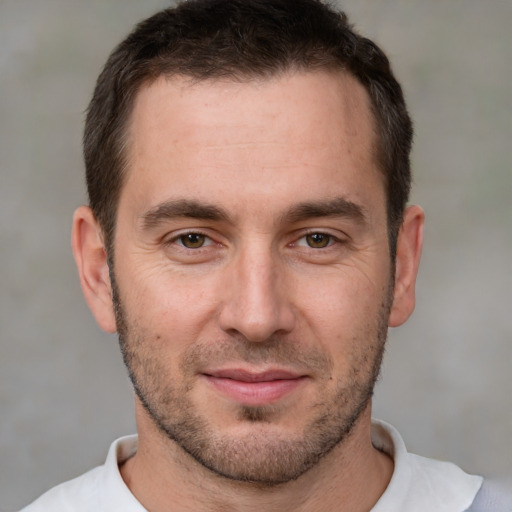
pixel 187 208
pixel 336 207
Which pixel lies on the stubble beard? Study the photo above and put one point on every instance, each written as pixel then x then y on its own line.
pixel 257 457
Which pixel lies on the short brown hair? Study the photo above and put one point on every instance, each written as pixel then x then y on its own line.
pixel 240 40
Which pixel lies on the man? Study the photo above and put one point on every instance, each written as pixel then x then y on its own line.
pixel 248 238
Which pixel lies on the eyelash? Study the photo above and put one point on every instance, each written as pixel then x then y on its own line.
pixel 327 237
pixel 333 240
pixel 178 239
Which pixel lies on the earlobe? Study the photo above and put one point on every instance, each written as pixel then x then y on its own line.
pixel 409 244
pixel 91 260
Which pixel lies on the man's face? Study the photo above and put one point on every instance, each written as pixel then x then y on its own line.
pixel 252 269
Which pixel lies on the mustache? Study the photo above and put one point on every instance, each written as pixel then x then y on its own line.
pixel 276 351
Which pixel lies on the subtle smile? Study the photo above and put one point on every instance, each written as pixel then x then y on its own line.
pixel 255 389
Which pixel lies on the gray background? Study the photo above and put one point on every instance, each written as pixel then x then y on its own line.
pixel 447 380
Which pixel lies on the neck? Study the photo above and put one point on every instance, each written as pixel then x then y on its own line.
pixel 352 477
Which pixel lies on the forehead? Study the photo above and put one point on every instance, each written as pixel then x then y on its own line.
pixel 335 101
pixel 304 124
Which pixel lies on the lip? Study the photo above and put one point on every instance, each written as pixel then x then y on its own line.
pixel 254 388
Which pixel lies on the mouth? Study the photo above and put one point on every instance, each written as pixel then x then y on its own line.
pixel 254 388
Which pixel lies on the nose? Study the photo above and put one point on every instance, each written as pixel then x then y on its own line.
pixel 257 301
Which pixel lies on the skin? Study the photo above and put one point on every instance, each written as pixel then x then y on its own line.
pixel 252 243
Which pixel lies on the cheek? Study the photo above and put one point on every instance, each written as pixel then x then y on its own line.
pixel 346 316
pixel 168 305
pixel 340 299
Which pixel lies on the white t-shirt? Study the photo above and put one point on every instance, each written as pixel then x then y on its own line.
pixel 417 485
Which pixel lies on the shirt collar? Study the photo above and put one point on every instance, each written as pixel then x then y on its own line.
pixel 418 484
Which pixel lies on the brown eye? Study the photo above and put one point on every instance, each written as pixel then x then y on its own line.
pixel 193 240
pixel 318 240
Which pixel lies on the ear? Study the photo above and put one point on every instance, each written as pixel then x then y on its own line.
pixel 408 253
pixel 91 260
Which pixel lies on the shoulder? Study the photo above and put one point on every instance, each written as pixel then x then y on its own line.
pixel 494 496
pixel 420 484
pixel 100 490
pixel 443 482
pixel 77 495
